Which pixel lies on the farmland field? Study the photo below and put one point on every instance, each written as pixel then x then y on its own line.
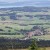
pixel 16 23
pixel 43 37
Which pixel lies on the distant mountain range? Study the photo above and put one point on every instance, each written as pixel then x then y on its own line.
pixel 38 3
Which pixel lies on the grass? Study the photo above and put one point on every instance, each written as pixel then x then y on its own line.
pixel 18 49
pixel 12 36
pixel 45 48
pixel 43 37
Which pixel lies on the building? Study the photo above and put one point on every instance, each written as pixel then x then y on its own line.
pixel 37 32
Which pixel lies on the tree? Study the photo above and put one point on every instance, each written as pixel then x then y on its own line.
pixel 33 46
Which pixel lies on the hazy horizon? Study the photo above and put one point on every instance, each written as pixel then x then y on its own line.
pixel 18 3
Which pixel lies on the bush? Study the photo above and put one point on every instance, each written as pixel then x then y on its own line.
pixel 33 46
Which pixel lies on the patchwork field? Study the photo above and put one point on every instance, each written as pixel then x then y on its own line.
pixel 16 22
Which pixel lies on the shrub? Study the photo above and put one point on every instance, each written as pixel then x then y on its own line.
pixel 33 46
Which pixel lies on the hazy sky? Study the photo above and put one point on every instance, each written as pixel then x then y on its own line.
pixel 12 0
pixel 21 0
pixel 25 3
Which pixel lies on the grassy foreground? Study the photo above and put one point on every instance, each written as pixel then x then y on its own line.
pixel 45 48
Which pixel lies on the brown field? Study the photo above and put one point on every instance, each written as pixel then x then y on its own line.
pixel 45 48
pixel 17 49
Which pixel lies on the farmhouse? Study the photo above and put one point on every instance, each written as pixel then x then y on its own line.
pixel 37 32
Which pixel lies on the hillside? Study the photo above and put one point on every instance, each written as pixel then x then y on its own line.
pixel 24 12
pixel 22 20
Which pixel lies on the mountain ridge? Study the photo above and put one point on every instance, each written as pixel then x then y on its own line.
pixel 39 3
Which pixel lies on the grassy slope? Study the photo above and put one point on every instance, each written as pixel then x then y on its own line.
pixel 26 21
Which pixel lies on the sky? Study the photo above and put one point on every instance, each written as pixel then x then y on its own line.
pixel 11 1
pixel 24 3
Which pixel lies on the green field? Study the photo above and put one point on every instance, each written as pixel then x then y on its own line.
pixel 24 21
pixel 12 36
pixel 43 37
